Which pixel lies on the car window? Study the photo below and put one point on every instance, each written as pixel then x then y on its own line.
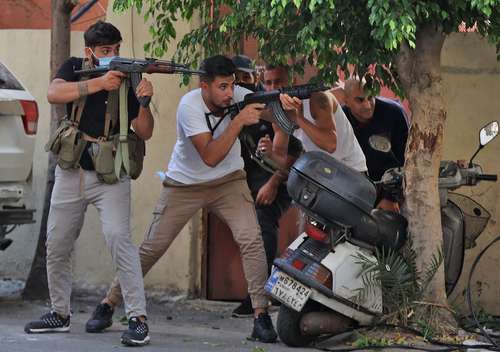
pixel 7 79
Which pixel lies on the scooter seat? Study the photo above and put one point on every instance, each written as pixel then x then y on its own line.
pixel 392 228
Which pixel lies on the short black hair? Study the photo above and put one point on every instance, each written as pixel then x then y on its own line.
pixel 101 33
pixel 218 65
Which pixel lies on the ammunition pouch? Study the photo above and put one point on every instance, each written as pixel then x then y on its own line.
pixel 105 160
pixel 137 150
pixel 68 143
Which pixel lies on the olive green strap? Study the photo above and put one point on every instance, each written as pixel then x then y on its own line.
pixel 111 114
pixel 78 105
pixel 122 152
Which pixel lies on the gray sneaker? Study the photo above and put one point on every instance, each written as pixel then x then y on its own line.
pixel 50 322
pixel 137 333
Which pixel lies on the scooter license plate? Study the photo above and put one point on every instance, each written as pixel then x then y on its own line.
pixel 287 290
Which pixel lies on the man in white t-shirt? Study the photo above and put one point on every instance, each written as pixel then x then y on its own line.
pixel 322 124
pixel 206 170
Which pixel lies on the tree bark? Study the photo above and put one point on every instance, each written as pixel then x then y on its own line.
pixel 36 285
pixel 420 73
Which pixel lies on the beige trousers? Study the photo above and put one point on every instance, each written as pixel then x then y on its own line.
pixel 230 199
pixel 73 191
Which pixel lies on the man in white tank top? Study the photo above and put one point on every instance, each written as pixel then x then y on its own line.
pixel 322 124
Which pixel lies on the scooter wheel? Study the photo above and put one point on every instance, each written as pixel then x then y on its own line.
pixel 288 325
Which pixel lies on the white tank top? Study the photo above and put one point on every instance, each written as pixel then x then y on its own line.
pixel 348 150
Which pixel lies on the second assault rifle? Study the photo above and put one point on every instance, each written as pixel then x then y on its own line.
pixel 134 68
pixel 272 101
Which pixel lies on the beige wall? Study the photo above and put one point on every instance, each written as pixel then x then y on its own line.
pixel 471 90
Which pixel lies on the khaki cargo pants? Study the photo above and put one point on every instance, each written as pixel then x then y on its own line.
pixel 73 191
pixel 230 199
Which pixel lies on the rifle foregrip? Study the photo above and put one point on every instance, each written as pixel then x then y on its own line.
pixel 135 78
pixel 144 101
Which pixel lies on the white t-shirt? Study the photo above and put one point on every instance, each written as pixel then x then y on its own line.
pixel 348 149
pixel 185 164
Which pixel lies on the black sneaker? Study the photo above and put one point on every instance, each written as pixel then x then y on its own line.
pixel 244 310
pixel 50 322
pixel 101 319
pixel 263 329
pixel 137 333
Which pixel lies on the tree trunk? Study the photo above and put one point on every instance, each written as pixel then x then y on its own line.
pixel 36 284
pixel 420 73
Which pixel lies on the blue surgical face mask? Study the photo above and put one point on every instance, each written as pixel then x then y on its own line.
pixel 101 62
pixel 104 61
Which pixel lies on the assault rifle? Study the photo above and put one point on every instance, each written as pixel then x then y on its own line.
pixel 134 68
pixel 272 100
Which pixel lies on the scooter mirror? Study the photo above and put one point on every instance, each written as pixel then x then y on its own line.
pixel 380 143
pixel 488 133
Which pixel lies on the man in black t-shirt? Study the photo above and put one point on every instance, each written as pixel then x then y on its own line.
pixel 92 121
pixel 268 190
pixel 377 116
pixel 75 189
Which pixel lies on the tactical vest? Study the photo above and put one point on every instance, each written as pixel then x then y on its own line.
pixel 113 156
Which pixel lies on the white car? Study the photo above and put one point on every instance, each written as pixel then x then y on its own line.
pixel 18 126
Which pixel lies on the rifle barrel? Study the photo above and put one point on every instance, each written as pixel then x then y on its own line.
pixel 92 72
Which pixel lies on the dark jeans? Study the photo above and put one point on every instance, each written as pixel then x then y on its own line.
pixel 268 217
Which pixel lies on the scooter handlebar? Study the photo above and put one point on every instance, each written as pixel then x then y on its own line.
pixel 487 177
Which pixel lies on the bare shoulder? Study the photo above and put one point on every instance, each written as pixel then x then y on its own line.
pixel 324 100
pixel 320 100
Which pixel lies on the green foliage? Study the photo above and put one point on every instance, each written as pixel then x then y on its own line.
pixel 258 349
pixel 328 34
pixel 366 341
pixel 397 275
pixel 428 330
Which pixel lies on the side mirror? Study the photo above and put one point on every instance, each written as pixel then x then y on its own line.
pixel 380 143
pixel 488 133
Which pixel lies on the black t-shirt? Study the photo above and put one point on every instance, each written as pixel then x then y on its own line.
pixel 93 115
pixel 256 175
pixel 389 120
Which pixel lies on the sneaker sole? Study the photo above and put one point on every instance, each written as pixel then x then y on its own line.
pixel 40 331
pixel 131 342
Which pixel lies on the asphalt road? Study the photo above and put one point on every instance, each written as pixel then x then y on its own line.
pixel 185 325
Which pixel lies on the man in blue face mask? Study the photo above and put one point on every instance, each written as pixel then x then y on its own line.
pixel 78 185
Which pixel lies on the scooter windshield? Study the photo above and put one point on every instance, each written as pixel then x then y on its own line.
pixel 476 217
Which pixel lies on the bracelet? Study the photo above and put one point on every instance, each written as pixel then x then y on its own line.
pixel 83 89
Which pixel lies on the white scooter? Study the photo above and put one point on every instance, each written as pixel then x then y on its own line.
pixel 317 276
